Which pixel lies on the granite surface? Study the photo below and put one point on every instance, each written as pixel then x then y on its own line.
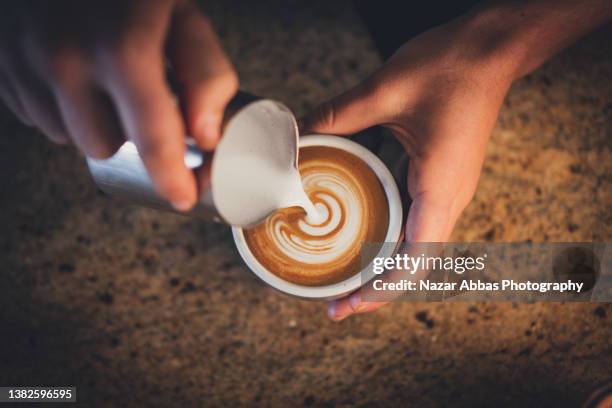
pixel 143 308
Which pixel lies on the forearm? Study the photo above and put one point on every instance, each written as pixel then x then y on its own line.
pixel 524 34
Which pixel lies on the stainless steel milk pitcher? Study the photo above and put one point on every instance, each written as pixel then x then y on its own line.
pixel 124 175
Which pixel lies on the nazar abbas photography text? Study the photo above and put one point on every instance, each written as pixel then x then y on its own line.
pixel 458 265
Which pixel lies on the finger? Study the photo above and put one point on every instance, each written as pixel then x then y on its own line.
pixel 340 309
pixel 204 172
pixel 133 74
pixel 357 109
pixel 91 120
pixel 39 105
pixel 430 220
pixel 367 299
pixel 151 119
pixel 86 111
pixel 9 96
pixel 207 78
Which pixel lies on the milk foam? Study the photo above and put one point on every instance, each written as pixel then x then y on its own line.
pixel 339 208
pixel 290 192
pixel 352 210
pixel 321 241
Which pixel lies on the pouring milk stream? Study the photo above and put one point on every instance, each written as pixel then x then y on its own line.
pixel 254 170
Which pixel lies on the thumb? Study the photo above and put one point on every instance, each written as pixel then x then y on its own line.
pixel 357 109
pixel 207 77
pixel 430 220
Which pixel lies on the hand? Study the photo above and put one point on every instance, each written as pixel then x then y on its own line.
pixel 93 73
pixel 442 103
pixel 440 95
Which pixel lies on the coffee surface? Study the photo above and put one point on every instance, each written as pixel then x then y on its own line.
pixel 353 208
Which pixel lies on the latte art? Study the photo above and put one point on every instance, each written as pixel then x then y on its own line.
pixel 339 205
pixel 353 210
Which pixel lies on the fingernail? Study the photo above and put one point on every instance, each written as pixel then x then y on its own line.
pixel 210 132
pixel 182 205
pixel 355 302
pixel 332 312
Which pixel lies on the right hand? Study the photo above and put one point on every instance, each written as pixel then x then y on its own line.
pixel 93 73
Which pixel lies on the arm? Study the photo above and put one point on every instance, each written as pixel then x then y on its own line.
pixel 525 34
pixel 440 94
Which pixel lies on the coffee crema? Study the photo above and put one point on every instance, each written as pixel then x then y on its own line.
pixel 354 209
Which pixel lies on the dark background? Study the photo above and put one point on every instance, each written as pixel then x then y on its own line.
pixel 131 304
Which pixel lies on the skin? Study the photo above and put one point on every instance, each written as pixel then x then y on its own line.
pixel 99 79
pixel 440 94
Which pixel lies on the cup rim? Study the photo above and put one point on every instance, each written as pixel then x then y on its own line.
pixel 359 279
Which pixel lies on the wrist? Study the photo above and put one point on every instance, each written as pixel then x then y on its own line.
pixel 494 42
pixel 515 38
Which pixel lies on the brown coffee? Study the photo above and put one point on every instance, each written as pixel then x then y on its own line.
pixel 352 201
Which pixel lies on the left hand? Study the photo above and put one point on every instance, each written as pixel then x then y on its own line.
pixel 441 101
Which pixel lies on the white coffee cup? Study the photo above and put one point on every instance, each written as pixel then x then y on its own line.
pixel 394 232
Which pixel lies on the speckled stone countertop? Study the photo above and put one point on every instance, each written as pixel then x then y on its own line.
pixel 131 304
